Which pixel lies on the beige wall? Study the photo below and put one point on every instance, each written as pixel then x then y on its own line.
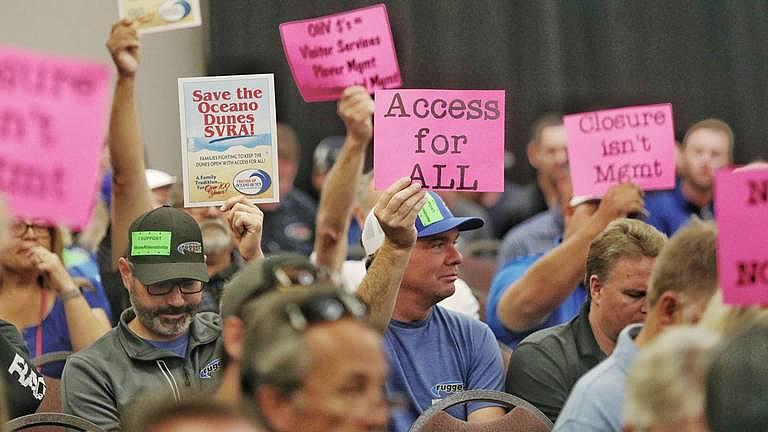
pixel 80 28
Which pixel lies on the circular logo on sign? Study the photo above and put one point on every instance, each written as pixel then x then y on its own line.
pixel 174 10
pixel 251 182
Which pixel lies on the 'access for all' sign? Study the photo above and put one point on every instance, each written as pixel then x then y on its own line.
pixel 445 139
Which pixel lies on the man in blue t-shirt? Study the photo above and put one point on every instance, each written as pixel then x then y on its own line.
pixel 433 353
pixel 707 147
pixel 544 290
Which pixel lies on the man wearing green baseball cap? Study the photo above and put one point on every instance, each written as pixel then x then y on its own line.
pixel 161 345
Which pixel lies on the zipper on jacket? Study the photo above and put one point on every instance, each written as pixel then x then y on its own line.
pixel 169 377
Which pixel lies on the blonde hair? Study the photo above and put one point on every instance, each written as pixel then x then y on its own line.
pixel 687 265
pixel 622 238
pixel 666 381
pixel 728 320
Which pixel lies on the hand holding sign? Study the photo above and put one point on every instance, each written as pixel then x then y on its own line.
pixel 124 46
pixel 246 222
pixel 355 109
pixel 620 201
pixel 396 211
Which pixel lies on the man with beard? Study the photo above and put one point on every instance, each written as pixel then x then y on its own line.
pixel 707 147
pixel 160 345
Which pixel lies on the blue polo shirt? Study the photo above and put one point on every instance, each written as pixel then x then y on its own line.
pixel 512 271
pixel 670 210
pixel 538 234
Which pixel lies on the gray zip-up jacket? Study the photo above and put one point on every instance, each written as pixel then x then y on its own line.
pixel 121 370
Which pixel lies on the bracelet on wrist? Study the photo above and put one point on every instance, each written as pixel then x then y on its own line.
pixel 69 295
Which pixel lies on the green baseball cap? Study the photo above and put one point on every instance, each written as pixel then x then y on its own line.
pixel 164 244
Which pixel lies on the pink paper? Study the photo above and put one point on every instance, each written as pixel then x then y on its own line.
pixel 633 144
pixel 741 208
pixel 52 121
pixel 328 54
pixel 447 139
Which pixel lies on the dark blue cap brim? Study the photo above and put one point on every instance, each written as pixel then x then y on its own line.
pixel 447 224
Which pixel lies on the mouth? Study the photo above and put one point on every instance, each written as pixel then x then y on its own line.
pixel 172 317
pixel 450 278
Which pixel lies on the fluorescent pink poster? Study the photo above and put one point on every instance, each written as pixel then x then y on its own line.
pixel 633 144
pixel 741 207
pixel 52 122
pixel 446 139
pixel 328 54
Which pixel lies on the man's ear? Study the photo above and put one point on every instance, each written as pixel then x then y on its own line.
pixel 276 409
pixel 233 333
pixel 125 272
pixel 670 310
pixel 595 288
pixel 532 152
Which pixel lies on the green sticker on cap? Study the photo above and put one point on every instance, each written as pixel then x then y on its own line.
pixel 430 213
pixel 151 243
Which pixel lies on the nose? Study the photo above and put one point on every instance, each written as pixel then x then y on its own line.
pixel 454 256
pixel 29 232
pixel 175 297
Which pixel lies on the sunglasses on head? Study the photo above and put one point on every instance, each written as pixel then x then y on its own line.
pixel 323 307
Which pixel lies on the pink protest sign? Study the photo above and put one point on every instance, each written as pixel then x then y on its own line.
pixel 52 122
pixel 446 139
pixel 741 207
pixel 330 53
pixel 633 144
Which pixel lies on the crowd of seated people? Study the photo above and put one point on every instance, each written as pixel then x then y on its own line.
pixel 604 313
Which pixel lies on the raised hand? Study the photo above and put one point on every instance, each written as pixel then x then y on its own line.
pixel 246 222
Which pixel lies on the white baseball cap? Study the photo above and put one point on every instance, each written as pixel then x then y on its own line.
pixel 157 178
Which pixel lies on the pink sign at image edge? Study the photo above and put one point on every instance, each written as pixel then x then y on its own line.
pixel 67 121
pixel 741 198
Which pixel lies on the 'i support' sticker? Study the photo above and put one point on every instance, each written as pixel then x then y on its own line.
pixel 151 243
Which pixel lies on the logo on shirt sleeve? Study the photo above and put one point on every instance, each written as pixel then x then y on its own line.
pixel 27 377
pixel 445 389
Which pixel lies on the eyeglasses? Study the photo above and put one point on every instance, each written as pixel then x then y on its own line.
pixel 39 228
pixel 324 307
pixel 186 286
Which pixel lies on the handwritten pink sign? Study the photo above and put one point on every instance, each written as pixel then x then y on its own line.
pixel 633 144
pixel 330 53
pixel 741 207
pixel 52 122
pixel 446 139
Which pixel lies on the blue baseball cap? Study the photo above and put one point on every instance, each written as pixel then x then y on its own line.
pixel 433 218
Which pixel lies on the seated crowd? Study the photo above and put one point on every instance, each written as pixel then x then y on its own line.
pixel 352 315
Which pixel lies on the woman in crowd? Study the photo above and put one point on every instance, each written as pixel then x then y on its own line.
pixel 53 311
